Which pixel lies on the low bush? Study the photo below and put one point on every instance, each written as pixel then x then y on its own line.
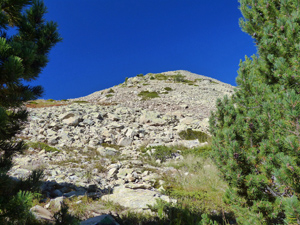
pixel 41 146
pixel 148 95
pixel 168 89
pixel 190 134
pixel 79 102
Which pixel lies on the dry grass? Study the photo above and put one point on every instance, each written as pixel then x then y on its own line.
pixel 45 103
pixel 197 181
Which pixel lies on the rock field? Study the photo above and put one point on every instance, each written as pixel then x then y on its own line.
pixel 97 138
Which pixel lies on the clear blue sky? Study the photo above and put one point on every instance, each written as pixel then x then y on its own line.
pixel 105 41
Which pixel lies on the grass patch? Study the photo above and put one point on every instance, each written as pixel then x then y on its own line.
pixel 79 102
pixel 44 103
pixel 178 78
pixel 107 103
pixel 109 95
pixel 145 84
pixel 148 95
pixel 105 145
pixel 41 146
pixel 168 89
pixel 190 134
pixel 197 184
pixel 140 75
pixel 111 91
pixel 160 76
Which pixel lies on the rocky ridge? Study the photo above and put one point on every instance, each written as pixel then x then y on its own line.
pixel 96 139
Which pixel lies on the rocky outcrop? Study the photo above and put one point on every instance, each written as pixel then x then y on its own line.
pixel 96 143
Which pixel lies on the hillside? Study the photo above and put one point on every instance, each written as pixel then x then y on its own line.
pixel 109 145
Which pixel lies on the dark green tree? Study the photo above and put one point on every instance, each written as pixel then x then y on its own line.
pixel 25 41
pixel 256 132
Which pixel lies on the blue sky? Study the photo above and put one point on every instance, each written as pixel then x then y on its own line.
pixel 105 41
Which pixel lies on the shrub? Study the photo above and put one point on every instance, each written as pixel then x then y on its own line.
pixel 256 131
pixel 190 134
pixel 168 89
pixel 79 102
pixel 147 95
pixel 111 90
pixel 41 146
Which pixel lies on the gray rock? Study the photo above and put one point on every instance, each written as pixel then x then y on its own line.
pixel 107 151
pixel 41 214
pixel 125 142
pixel 72 121
pixel 100 220
pixel 134 199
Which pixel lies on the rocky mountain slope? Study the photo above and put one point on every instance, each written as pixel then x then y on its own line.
pixel 96 140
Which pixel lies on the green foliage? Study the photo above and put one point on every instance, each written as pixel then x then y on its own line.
pixel 256 132
pixel 109 95
pixel 162 152
pixel 140 75
pixel 111 90
pixel 62 217
pixel 190 134
pixel 126 79
pixel 23 55
pixel 41 146
pixel 161 76
pixel 168 213
pixel 80 102
pixel 51 100
pixel 168 89
pixel 117 147
pixel 148 95
pixel 203 151
pixel 17 209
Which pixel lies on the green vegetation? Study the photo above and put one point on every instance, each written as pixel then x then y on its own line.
pixel 256 131
pixel 111 91
pixel 105 145
pixel 41 146
pixel 148 95
pixel 194 183
pixel 177 78
pixel 26 39
pixel 109 95
pixel 168 89
pixel 140 75
pixel 190 134
pixel 80 102
pixel 163 152
pixel 44 103
pixel 50 100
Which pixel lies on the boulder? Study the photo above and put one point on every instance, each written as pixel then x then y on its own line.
pixel 41 213
pixel 100 220
pixel 125 141
pixel 134 199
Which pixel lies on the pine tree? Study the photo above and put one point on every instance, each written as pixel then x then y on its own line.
pixel 25 41
pixel 256 132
